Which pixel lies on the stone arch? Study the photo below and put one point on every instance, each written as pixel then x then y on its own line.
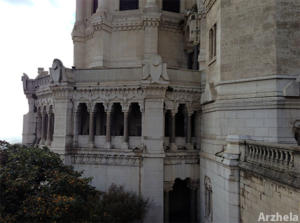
pixel 135 120
pixel 181 198
pixel 117 120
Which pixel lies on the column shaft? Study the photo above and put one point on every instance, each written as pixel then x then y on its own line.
pixel 189 129
pixel 126 127
pixel 173 128
pixel 91 129
pixel 108 134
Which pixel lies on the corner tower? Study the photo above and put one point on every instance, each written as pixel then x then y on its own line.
pixel 127 112
pixel 122 33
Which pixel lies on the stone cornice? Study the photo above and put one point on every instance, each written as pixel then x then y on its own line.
pixel 106 159
pixel 173 158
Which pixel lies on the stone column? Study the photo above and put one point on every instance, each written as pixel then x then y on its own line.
pixel 189 130
pixel 108 122
pixel 91 127
pixel 102 5
pixel 38 127
pixel 76 126
pixel 151 4
pixel 173 130
pixel 43 128
pixel 80 10
pixel 151 23
pixel 125 138
pixel 48 141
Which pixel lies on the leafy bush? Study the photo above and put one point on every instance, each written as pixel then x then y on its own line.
pixel 118 206
pixel 35 186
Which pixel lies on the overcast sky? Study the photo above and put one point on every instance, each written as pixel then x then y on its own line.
pixel 33 33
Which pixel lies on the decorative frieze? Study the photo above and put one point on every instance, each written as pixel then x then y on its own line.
pixel 106 159
pixel 178 158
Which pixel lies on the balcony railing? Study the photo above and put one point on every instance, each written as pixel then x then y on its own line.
pixel 271 155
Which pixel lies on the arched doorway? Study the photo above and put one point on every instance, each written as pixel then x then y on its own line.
pixel 182 202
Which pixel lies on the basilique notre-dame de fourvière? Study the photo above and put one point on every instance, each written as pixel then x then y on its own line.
pixel 194 104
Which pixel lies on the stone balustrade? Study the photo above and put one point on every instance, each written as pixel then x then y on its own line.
pixel 271 155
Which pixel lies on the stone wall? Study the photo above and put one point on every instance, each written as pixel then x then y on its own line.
pixel 288 36
pixel 259 194
pixel 248 47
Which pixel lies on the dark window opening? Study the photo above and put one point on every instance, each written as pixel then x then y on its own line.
pixel 180 202
pixel 171 5
pixel 117 120
pixel 193 132
pixel 100 119
pixel 135 120
pixel 168 124
pixel 129 4
pixel 213 42
pixel 180 119
pixel 95 6
pixel 84 117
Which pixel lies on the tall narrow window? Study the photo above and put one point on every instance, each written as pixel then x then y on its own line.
pixel 213 42
pixel 129 4
pixel 95 6
pixel 171 5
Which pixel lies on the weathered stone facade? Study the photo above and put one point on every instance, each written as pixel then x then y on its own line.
pixel 167 98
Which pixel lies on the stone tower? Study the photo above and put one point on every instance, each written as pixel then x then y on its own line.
pixel 187 102
pixel 127 112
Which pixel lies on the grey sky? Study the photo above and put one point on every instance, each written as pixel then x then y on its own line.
pixel 32 37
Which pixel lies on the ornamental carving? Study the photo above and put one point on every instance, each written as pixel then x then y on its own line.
pixel 155 71
pixel 106 159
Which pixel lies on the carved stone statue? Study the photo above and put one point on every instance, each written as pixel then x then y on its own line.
pixel 56 72
pixel 155 71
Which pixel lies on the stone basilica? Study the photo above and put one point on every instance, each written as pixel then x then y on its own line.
pixel 194 104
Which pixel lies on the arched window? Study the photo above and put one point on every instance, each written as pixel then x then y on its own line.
pixel 135 120
pixel 117 120
pixel 180 120
pixel 95 6
pixel 171 5
pixel 84 116
pixel 100 119
pixel 129 4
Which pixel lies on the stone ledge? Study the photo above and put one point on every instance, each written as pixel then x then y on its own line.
pixel 283 177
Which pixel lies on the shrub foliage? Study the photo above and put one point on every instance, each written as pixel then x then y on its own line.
pixel 35 186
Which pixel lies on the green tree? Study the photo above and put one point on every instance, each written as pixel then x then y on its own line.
pixel 35 186
pixel 120 206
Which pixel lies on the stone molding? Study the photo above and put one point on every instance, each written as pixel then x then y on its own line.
pixel 178 158
pixel 84 30
pixel 106 159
